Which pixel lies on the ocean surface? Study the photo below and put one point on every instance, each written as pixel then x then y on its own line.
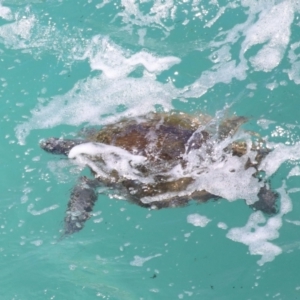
pixel 66 65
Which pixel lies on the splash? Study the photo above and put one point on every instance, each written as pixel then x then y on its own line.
pixel 139 261
pixel 274 36
pixel 93 98
pixel 5 13
pixel 198 220
pixel 257 237
pixel 279 155
pixel 97 101
pixel 114 62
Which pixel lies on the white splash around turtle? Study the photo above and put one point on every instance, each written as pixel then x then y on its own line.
pixel 259 231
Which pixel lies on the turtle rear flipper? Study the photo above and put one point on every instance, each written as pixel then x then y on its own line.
pixel 266 201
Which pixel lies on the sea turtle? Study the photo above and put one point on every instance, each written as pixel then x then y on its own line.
pixel 155 160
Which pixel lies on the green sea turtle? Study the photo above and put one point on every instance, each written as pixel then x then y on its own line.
pixel 163 160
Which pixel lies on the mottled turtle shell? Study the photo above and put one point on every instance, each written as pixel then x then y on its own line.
pixel 164 139
pixel 157 136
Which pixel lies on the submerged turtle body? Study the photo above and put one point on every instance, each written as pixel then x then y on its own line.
pixel 147 161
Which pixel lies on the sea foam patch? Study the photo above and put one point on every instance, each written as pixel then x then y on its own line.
pixel 16 35
pixel 259 231
pixel 112 158
pixel 198 220
pixel 96 101
pixel 279 155
pixel 5 13
pixel 93 98
pixel 267 24
pixel 139 261
pixel 294 172
pixel 110 58
pixel 272 30
pixel 294 58
pixel 274 36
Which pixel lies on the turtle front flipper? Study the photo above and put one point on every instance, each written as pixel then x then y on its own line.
pixel 81 203
pixel 59 146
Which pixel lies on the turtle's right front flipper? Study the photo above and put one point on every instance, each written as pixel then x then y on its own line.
pixel 81 203
pixel 59 146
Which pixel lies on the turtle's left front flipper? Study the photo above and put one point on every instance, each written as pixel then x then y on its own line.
pixel 80 206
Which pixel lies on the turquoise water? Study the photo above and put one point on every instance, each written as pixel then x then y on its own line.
pixel 69 64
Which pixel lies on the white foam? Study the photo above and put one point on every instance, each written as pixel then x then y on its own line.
pixel 34 212
pixel 279 155
pixel 218 15
pixel 91 98
pixel 26 191
pixel 219 180
pixel 95 149
pixel 222 225
pixel 294 71
pixel 159 11
pixel 198 220
pixel 16 35
pixel 271 29
pixel 294 190
pixel 259 231
pixel 251 86
pixel 95 101
pixel 294 172
pixel 264 123
pixel 224 73
pixel 106 56
pixel 58 168
pixel 272 85
pixel 113 158
pixel 221 174
pixel 5 13
pixel 297 223
pixel 37 242
pixel 142 33
pixel 138 261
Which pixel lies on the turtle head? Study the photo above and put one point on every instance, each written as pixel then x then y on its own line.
pixel 58 145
